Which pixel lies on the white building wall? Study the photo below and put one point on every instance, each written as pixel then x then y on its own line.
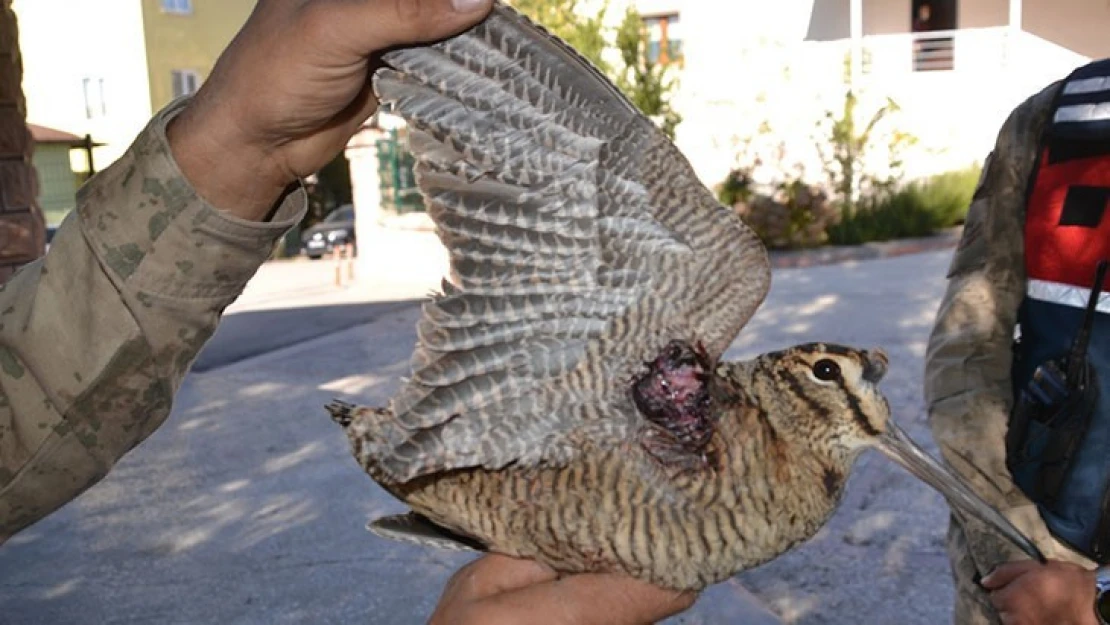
pixel 752 79
pixel 64 42
pixel 760 77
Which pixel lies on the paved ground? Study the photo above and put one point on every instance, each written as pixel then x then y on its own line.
pixel 246 507
pixel 881 558
pixel 297 300
pixel 338 303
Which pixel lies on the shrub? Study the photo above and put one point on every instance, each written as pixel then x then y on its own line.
pixel 918 209
pixel 735 188
pixel 901 214
pixel 949 194
pixel 794 215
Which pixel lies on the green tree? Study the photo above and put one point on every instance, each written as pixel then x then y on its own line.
pixel 586 34
pixel 847 148
pixel 645 82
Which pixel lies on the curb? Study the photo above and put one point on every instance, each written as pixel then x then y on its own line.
pixel 835 254
pixel 788 259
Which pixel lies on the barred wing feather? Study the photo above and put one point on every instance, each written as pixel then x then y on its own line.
pixel 580 243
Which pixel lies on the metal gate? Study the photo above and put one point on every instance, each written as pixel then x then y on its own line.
pixel 398 184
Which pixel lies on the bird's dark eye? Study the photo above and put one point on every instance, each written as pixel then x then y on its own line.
pixel 826 369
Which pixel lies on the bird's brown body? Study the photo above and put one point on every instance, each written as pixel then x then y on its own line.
pixel 568 401
pixel 765 488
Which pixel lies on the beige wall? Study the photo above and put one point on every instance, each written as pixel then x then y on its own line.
pixel 188 42
pixel 882 17
pixel 984 13
pixel 829 19
pixel 1080 25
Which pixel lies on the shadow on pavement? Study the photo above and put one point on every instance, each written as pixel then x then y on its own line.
pixel 247 506
pixel 248 334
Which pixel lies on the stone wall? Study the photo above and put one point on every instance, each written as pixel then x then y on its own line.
pixel 22 230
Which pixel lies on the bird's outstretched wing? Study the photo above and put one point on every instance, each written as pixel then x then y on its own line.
pixel 581 243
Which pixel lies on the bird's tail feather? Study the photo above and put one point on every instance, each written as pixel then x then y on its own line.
pixel 416 528
pixel 375 426
pixel 341 412
pixel 373 434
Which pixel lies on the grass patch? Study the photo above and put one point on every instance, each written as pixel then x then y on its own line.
pixel 920 208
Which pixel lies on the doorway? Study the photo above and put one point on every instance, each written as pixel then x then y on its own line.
pixel 933 53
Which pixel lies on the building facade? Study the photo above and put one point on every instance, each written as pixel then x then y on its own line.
pixel 52 160
pixel 104 68
pixel 759 78
pixel 183 39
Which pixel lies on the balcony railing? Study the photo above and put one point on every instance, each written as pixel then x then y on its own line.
pixel 981 51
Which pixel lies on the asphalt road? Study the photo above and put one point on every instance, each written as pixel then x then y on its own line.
pixel 246 507
pixel 248 334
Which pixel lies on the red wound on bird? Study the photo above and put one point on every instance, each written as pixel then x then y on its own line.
pixel 674 394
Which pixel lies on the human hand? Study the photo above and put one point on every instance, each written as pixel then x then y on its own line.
pixel 291 89
pixel 499 590
pixel 1030 593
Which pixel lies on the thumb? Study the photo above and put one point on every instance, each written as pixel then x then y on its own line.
pixel 373 25
pixel 494 573
pixel 1007 573
pixel 598 599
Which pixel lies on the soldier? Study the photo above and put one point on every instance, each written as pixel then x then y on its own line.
pixel 96 337
pixel 1022 418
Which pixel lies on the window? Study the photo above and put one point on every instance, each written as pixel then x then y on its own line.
pixel 185 82
pixel 184 7
pixel 932 53
pixel 95 105
pixel 664 36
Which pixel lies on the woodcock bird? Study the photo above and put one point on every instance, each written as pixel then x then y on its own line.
pixel 568 402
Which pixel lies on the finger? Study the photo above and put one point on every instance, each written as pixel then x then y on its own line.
pixel 502 573
pixel 598 600
pixel 372 25
pixel 365 104
pixel 1008 572
pixel 494 574
pixel 1007 600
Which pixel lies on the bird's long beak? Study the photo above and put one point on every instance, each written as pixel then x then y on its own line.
pixel 897 445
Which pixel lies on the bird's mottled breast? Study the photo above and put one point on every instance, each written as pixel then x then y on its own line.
pixel 621 510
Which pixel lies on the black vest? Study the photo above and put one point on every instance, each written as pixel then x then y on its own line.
pixel 1060 457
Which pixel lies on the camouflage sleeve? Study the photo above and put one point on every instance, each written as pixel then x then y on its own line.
pixel 967 364
pixel 96 337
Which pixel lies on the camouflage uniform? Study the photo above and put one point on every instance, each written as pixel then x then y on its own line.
pixel 96 337
pixel 967 371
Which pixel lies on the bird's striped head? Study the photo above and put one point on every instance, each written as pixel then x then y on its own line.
pixel 827 397
pixel 826 393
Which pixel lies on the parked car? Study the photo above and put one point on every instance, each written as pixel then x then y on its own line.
pixel 50 230
pixel 335 229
